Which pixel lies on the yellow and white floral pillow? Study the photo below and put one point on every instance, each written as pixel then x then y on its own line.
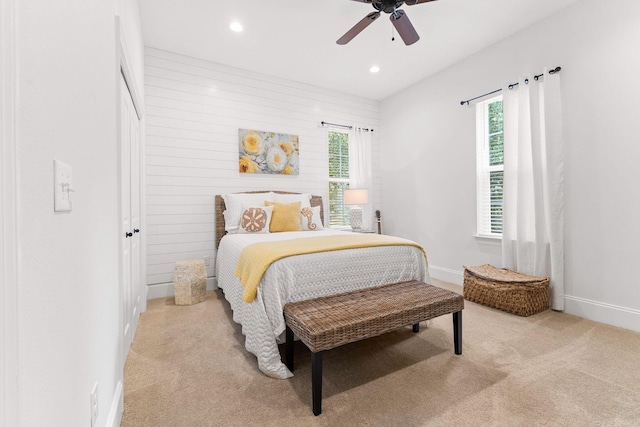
pixel 255 220
pixel 310 219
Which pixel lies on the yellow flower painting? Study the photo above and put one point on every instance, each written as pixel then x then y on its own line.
pixel 268 152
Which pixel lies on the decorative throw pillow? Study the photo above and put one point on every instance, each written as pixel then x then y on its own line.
pixel 310 219
pixel 286 217
pixel 255 220
pixel 304 199
pixel 234 204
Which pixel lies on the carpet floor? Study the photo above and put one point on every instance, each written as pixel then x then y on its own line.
pixel 188 367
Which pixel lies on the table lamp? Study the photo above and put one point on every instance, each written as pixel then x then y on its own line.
pixel 356 197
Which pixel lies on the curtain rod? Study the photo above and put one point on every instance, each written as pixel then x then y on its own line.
pixel 323 123
pixel 511 86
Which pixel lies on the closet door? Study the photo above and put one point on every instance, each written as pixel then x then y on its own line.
pixel 131 250
pixel 136 250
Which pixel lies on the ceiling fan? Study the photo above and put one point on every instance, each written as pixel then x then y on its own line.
pixel 398 17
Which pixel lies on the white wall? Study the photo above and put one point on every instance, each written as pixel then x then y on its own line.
pixel 68 288
pixel 194 109
pixel 429 149
pixel 8 221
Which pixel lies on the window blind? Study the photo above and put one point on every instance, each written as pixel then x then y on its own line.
pixel 489 166
pixel 339 214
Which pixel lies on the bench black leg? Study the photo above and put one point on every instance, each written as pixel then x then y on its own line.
pixel 416 328
pixel 289 348
pixel 457 332
pixel 316 382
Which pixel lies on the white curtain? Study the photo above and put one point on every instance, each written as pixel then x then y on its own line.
pixel 360 168
pixel 533 218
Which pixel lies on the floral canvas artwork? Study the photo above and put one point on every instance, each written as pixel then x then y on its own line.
pixel 268 152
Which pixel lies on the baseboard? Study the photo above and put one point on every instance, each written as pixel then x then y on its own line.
pixel 117 407
pixel 163 290
pixel 610 314
pixel 145 297
pixel 622 317
pixel 446 274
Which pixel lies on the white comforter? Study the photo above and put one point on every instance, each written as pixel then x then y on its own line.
pixel 304 277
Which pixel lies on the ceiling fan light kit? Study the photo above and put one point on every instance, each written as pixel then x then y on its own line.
pixel 398 18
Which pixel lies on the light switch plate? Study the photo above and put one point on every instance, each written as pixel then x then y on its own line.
pixel 62 187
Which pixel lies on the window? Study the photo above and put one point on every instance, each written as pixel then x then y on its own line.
pixel 339 214
pixel 489 166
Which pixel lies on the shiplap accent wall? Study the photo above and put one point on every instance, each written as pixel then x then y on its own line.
pixel 194 109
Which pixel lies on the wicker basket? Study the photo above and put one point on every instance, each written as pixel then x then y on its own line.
pixel 506 290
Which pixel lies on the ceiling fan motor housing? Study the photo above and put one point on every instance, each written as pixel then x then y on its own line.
pixel 387 6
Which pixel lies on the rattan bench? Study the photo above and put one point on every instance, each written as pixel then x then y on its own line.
pixel 328 322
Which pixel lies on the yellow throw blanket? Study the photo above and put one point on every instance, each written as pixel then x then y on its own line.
pixel 257 257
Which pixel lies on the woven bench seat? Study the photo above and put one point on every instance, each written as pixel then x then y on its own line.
pixel 328 322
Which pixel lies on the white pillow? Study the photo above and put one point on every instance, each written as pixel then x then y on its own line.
pixel 234 204
pixel 310 219
pixel 304 199
pixel 255 220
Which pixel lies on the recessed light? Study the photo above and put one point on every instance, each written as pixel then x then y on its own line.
pixel 374 69
pixel 236 26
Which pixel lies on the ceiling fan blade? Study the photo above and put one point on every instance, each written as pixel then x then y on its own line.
pixel 412 2
pixel 356 29
pixel 363 1
pixel 404 27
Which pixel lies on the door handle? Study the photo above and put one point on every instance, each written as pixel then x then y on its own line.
pixel 136 230
pixel 127 234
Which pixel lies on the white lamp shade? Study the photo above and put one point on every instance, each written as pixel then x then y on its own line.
pixel 356 196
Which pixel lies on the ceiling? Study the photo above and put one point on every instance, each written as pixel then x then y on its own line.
pixel 296 39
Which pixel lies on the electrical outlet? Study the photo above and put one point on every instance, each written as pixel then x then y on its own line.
pixel 207 260
pixel 94 404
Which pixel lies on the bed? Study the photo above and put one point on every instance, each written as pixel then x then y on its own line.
pixel 301 277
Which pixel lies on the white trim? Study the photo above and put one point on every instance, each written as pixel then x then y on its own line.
pixel 125 67
pixel 143 218
pixel 483 168
pixel 163 290
pixel 610 314
pixel 114 417
pixel 488 240
pixel 448 275
pixel 121 341
pixel 134 90
pixel 623 317
pixel 9 222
